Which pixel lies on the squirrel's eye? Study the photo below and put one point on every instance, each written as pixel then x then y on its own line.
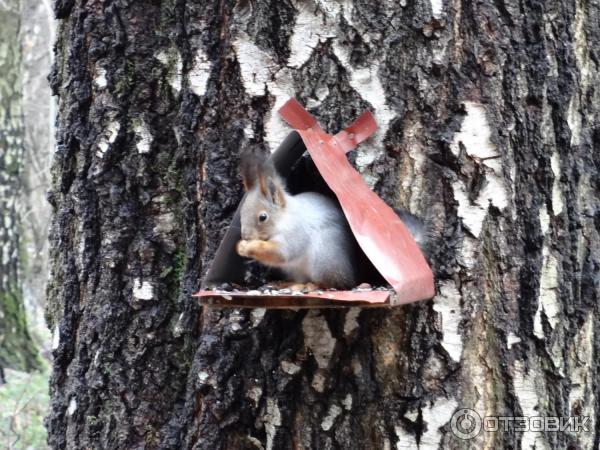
pixel 263 216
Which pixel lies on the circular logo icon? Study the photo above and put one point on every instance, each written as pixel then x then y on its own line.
pixel 465 423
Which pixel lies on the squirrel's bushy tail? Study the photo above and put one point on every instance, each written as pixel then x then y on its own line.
pixel 422 231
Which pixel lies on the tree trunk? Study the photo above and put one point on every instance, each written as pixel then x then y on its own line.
pixel 37 27
pixel 487 114
pixel 17 349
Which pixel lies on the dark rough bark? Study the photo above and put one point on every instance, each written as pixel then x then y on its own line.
pixel 17 349
pixel 488 129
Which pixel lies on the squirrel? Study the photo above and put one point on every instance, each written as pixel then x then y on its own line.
pixel 305 235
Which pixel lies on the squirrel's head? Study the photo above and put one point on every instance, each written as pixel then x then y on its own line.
pixel 265 200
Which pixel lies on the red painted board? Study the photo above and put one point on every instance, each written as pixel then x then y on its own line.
pixel 379 231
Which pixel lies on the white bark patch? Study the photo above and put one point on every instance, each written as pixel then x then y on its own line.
pixel 257 315
pixel 100 79
pixel 406 440
pixel 108 138
pixel 472 215
pixel 143 290
pixel 548 296
pixel 255 442
pixel 311 27
pixel 350 320
pixel 249 131
pixel 304 38
pixel 318 338
pixel 178 328
pixel 254 394
pixel 72 407
pixel 318 381
pixel 475 135
pixel 290 367
pixel 366 82
pixel 557 200
pixel 549 286
pixel 235 319
pixel 556 352
pixel 332 9
pixel 172 60
pixel 282 87
pixel 199 73
pixel 203 377
pixel 163 57
pixel 544 219
pixel 334 411
pixel 447 303
pixel 55 337
pixel 494 192
pixel 436 417
pixel 176 78
pixel 261 74
pixel 321 94
pixel 581 47
pixel 347 402
pixel 437 7
pixel 574 119
pixel 144 137
pixel 256 66
pixel 81 246
pixel 272 419
pixel 512 339
pixel 525 389
pixel 412 415
pixel 165 223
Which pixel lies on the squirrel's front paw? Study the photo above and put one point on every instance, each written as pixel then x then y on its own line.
pixel 243 248
pixel 266 252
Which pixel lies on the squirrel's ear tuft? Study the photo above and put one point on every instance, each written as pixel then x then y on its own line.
pixel 275 191
pixel 255 168
pixel 250 167
pixel 270 184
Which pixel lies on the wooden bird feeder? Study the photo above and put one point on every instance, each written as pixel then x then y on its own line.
pixel 380 233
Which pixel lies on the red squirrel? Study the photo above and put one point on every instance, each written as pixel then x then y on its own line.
pixel 305 235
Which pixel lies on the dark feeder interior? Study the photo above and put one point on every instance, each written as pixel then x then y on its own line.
pixel 226 282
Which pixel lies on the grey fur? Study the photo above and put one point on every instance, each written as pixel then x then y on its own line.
pixel 310 230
